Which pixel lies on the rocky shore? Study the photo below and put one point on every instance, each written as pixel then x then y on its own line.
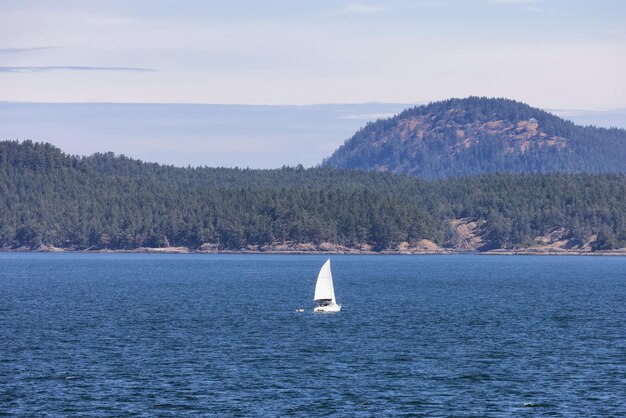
pixel 420 247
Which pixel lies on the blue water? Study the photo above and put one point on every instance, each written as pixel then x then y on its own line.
pixel 138 334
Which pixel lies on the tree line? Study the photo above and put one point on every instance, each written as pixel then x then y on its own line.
pixel 109 201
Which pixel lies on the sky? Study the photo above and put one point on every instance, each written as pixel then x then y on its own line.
pixel 553 54
pixel 255 136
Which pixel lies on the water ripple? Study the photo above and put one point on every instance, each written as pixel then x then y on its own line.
pixel 145 335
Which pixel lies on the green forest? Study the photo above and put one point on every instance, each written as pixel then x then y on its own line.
pixel 108 201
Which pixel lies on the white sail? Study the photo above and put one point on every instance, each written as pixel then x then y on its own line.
pixel 324 287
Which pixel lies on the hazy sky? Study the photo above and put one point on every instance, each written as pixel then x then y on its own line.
pixel 567 54
pixel 256 136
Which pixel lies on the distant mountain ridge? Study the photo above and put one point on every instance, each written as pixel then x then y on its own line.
pixel 475 135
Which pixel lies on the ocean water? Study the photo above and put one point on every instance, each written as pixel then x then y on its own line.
pixel 175 335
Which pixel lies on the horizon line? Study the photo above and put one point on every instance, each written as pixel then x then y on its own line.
pixel 222 104
pixel 373 102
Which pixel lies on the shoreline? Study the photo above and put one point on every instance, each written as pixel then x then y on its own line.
pixel 185 250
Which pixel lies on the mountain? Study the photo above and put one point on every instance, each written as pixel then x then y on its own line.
pixel 50 199
pixel 461 137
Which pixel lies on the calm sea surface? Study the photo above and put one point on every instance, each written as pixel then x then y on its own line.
pixel 140 334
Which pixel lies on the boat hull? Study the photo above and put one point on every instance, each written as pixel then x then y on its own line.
pixel 327 308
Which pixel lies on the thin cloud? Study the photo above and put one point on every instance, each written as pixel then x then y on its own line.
pixel 362 8
pixel 515 1
pixel 528 5
pixel 535 9
pixel 111 21
pixel 50 68
pixel 22 50
pixel 367 116
pixel 431 4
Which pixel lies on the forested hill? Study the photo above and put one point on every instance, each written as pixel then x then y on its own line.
pixel 460 137
pixel 48 198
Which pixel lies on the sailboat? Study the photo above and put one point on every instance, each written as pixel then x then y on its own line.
pixel 324 291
